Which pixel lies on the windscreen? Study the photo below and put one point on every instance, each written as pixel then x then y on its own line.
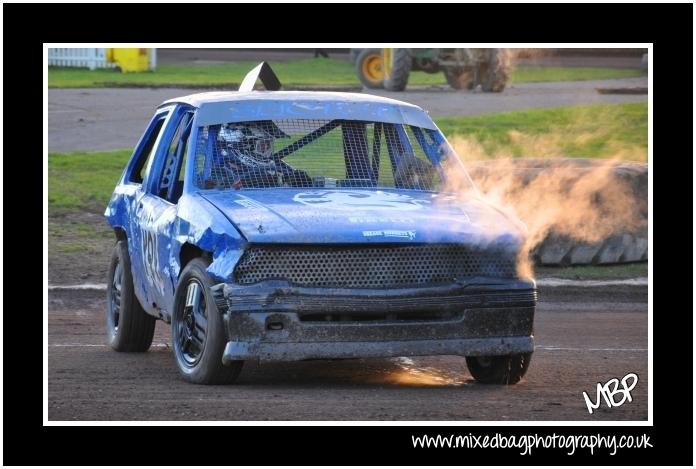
pixel 320 153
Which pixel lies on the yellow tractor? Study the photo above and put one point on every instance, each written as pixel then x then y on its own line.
pixel 463 68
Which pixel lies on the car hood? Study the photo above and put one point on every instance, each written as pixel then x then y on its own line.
pixel 363 216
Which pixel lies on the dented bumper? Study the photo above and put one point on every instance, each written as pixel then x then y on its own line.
pixel 275 321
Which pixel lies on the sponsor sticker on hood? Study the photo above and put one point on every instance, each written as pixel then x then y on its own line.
pixel 360 200
pixel 409 234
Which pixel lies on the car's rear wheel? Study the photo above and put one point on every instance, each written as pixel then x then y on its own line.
pixel 128 327
pixel 198 331
pixel 508 369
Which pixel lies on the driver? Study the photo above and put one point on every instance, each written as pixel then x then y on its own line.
pixel 246 155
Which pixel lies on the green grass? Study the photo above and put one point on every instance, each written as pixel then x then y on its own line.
pixel 593 131
pixel 299 72
pixel 594 272
pixel 83 181
pixel 532 74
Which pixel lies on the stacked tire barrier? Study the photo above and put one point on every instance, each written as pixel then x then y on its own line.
pixel 622 244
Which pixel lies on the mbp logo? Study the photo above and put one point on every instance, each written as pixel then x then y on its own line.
pixel 609 390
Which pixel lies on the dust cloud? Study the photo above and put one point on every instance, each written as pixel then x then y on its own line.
pixel 585 200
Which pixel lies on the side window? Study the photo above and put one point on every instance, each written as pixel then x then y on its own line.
pixel 182 165
pixel 171 182
pixel 148 150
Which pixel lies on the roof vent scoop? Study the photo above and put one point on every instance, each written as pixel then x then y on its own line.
pixel 265 73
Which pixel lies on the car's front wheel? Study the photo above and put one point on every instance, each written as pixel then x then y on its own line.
pixel 198 332
pixel 128 327
pixel 508 369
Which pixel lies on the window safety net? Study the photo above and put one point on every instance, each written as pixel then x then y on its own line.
pixel 317 153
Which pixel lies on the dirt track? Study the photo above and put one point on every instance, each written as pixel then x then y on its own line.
pixel 584 336
pixel 114 118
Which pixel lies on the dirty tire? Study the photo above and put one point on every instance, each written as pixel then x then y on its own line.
pixel 198 330
pixel 128 327
pixel 499 370
pixel 493 74
pixel 365 62
pixel 460 78
pixel 401 62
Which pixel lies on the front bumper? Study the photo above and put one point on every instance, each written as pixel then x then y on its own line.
pixel 275 321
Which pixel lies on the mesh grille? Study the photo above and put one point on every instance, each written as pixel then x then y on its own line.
pixel 317 153
pixel 371 267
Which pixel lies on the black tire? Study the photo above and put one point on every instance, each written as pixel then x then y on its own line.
pixel 128 327
pixel 365 67
pixel 198 330
pixel 507 369
pixel 397 71
pixel 460 78
pixel 494 73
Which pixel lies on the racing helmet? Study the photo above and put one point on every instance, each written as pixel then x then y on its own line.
pixel 248 144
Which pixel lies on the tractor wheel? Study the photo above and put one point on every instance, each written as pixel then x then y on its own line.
pixel 368 66
pixel 494 73
pixel 397 67
pixel 460 78
pixel 353 55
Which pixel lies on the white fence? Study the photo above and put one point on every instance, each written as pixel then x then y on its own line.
pixel 78 57
pixel 91 58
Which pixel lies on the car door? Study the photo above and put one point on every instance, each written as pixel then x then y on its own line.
pixel 155 210
pixel 123 206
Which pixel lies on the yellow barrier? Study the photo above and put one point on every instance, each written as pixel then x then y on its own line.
pixel 130 60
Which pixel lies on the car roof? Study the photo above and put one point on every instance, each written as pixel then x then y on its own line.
pixel 234 106
pixel 200 99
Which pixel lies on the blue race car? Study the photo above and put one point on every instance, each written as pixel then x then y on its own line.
pixel 281 225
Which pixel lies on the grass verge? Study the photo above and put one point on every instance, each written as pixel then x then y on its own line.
pixel 591 131
pixel 83 181
pixel 79 239
pixel 299 72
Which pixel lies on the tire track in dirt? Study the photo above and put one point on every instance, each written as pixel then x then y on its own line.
pixel 584 336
